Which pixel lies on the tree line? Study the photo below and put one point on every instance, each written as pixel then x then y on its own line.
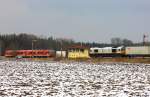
pixel 24 41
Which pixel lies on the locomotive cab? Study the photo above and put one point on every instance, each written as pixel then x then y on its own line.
pixel 120 50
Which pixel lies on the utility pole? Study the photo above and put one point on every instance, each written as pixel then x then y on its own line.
pixel 60 41
pixel 61 48
pixel 145 40
pixel 33 46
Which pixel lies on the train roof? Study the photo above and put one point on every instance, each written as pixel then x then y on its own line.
pixel 120 47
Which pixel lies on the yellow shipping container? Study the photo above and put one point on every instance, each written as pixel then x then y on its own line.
pixel 75 52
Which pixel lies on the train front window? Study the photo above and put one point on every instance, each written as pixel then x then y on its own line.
pixel 114 50
pixel 96 51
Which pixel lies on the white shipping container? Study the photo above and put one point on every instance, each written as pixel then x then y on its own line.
pixel 141 50
pixel 61 54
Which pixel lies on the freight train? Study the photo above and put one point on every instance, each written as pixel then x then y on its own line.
pixel 132 51
pixel 94 52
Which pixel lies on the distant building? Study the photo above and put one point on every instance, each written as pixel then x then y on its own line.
pixel 77 51
pixel 61 54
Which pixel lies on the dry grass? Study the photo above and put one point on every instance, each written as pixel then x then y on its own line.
pixel 92 60
pixel 99 60
pixel 128 60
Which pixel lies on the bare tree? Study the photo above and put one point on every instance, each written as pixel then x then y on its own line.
pixel 127 42
pixel 116 41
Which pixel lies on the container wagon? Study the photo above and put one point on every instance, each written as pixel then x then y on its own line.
pixel 139 51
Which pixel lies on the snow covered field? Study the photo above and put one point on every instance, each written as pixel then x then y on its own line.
pixel 55 79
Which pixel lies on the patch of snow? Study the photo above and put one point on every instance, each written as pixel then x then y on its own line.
pixel 56 79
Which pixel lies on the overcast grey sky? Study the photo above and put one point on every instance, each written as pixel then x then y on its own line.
pixel 82 20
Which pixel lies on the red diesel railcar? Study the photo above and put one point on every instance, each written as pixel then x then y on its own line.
pixel 30 53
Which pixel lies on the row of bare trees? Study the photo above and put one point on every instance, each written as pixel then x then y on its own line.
pixel 24 41
pixel 118 41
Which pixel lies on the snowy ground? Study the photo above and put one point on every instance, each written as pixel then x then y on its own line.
pixel 54 79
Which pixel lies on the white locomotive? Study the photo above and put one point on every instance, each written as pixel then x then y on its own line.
pixel 107 51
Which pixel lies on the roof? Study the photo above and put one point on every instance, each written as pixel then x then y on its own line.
pixel 78 47
pixel 107 48
pixel 95 48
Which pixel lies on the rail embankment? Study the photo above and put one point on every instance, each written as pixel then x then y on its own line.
pixel 90 60
pixel 100 60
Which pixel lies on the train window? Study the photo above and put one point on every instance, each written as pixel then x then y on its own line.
pixel 44 53
pixel 114 50
pixel 96 50
pixel 20 52
pixel 40 52
pixel 82 50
